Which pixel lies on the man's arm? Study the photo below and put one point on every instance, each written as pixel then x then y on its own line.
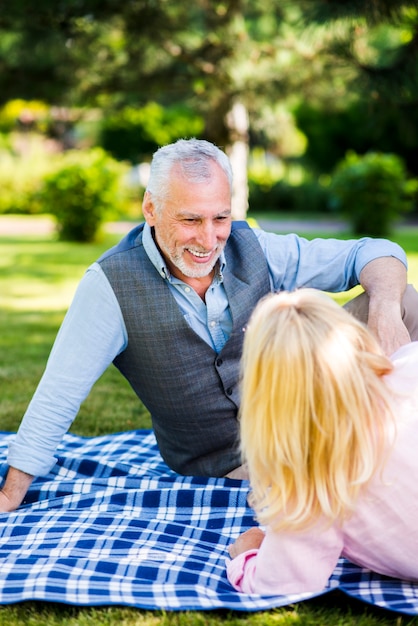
pixel 88 341
pixel 332 265
pixel 384 280
pixel 14 489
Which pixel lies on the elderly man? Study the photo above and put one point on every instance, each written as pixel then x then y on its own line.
pixel 169 305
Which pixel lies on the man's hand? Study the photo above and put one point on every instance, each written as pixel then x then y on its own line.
pixel 250 540
pixel 14 489
pixel 384 281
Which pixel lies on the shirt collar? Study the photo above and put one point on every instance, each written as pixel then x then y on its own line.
pixel 158 262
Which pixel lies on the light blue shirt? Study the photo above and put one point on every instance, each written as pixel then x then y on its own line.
pixel 93 332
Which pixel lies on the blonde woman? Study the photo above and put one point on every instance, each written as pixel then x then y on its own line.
pixel 329 429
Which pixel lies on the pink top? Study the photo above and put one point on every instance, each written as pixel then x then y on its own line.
pixel 382 534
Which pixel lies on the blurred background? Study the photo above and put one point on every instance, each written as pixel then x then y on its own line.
pixel 315 102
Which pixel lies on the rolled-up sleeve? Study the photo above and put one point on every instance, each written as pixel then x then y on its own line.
pixel 332 265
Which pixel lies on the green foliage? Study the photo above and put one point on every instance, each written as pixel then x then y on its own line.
pixel 135 133
pixel 372 191
pixel 21 174
pixel 358 126
pixel 85 189
pixel 23 112
pixel 306 197
pixel 274 186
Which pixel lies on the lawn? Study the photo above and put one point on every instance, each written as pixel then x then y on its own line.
pixel 38 276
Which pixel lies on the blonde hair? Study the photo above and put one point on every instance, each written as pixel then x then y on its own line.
pixel 315 410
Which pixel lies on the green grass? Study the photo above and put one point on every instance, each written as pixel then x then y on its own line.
pixel 335 610
pixel 38 276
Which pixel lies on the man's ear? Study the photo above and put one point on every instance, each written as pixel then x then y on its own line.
pixel 148 209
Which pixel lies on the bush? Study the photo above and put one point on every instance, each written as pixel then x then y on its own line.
pixel 309 196
pixel 278 185
pixel 268 198
pixel 21 176
pixel 26 115
pixel 372 191
pixel 361 126
pixel 85 189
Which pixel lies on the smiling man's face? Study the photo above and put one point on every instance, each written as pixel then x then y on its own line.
pixel 192 227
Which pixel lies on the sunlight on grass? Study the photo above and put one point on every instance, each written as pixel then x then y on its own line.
pixel 37 295
pixel 43 275
pixel 413 269
pixel 343 297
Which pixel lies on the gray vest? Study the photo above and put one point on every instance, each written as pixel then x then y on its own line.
pixel 191 392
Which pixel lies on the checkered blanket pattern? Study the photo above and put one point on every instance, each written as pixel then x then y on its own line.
pixel 112 524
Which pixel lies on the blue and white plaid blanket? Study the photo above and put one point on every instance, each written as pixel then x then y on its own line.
pixel 112 524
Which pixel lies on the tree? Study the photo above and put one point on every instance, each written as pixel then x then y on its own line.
pixel 218 56
pixel 375 42
pixel 104 53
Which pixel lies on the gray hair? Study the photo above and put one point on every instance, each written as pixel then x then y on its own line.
pixel 194 157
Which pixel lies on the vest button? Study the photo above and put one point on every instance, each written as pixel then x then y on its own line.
pixel 219 362
pixel 229 391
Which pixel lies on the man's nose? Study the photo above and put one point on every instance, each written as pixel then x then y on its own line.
pixel 207 236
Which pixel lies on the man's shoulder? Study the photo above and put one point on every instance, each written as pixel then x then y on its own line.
pixel 132 240
pixel 240 224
